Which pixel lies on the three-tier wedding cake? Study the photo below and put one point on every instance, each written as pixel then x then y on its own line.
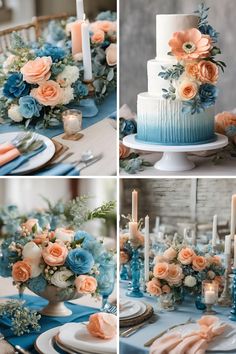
pixel 178 108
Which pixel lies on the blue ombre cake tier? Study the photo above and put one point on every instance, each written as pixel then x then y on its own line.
pixel 161 121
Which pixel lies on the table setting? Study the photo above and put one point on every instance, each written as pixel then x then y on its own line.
pixel 63 277
pixel 177 293
pixel 59 86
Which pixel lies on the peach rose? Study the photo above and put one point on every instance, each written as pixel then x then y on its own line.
pixel 161 270
pixel 98 36
pixel 208 72
pixel 192 69
pixel 223 121
pixel 43 237
pixel 137 240
pixel 21 271
pixel 37 71
pixel 199 263
pixel 49 93
pixel 111 54
pixel 175 274
pixel 123 239
pixel 86 284
pixel 170 254
pixel 124 257
pixel 215 260
pixel 105 26
pixel 154 287
pixel 159 259
pixel 29 224
pixel 123 151
pixel 165 289
pixel 187 90
pixel 102 325
pixel 55 254
pixel 186 255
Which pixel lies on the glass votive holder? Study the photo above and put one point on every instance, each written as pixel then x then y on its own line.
pixel 210 292
pixel 72 121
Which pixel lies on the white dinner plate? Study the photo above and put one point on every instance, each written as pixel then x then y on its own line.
pixel 76 335
pixel 129 308
pixel 142 309
pixel 44 342
pixel 224 342
pixel 36 161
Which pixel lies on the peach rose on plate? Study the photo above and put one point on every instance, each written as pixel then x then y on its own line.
pixel 49 93
pixel 98 36
pixel 187 90
pixel 161 270
pixel 124 151
pixel 154 287
pixel 186 255
pixel 223 122
pixel 86 284
pixel 55 254
pixel 190 44
pixel 175 274
pixel 37 71
pixel 102 325
pixel 170 254
pixel 208 72
pixel 199 263
pixel 21 271
pixel 111 54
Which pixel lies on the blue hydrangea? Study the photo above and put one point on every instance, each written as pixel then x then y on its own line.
pixel 85 236
pixel 208 94
pixel 106 16
pixel 80 261
pixel 56 32
pixel 15 87
pixel 90 244
pixel 81 89
pixel 210 31
pixel 38 284
pixel 49 50
pixel 29 107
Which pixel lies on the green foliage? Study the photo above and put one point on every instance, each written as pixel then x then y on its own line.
pixel 170 93
pixel 172 73
pixel 102 211
pixel 202 12
pixel 133 164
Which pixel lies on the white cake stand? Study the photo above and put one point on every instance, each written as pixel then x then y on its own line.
pixel 174 157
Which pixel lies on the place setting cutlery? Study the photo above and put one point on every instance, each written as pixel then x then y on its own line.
pixel 17 348
pixel 134 329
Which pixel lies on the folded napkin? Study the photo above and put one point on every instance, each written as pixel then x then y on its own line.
pixel 195 342
pixel 8 152
pixel 20 160
pixel 59 170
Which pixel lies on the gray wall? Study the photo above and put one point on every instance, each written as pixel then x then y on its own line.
pixel 137 43
pixel 180 200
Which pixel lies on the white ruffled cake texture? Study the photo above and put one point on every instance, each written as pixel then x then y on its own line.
pixel 162 121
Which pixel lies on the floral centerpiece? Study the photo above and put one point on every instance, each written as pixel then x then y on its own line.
pixel 40 80
pixel 183 269
pixel 59 263
pixel 194 76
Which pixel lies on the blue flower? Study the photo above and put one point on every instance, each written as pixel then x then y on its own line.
pixel 38 284
pixel 210 31
pixel 15 86
pixel 29 107
pixel 81 89
pixel 106 16
pixel 49 50
pixel 80 261
pixel 208 94
pixel 90 244
pixel 56 32
pixel 127 127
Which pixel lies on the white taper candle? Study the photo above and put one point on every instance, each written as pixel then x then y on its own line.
pixel 80 9
pixel 233 216
pixel 228 244
pixel 214 231
pixel 86 49
pixel 146 249
pixel 234 251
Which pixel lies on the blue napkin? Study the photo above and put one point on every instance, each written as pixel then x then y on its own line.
pixel 12 165
pixel 79 314
pixel 62 169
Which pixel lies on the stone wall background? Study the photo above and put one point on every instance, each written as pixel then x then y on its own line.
pixel 137 43
pixel 180 200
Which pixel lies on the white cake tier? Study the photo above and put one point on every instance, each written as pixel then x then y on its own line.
pixel 155 82
pixel 166 26
pixel 161 121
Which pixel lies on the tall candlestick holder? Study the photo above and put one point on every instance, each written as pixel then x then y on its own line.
pixel 226 296
pixel 134 290
pixel 232 317
pixel 124 275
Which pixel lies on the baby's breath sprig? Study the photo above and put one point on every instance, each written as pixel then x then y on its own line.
pixel 22 318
